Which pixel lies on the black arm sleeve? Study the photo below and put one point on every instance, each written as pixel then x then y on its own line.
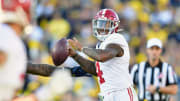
pixel 79 72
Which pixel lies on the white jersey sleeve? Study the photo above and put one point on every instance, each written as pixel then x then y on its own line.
pixel 121 41
pixel 116 39
pixel 13 71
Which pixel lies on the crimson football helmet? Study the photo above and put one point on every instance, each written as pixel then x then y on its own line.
pixel 105 23
pixel 15 11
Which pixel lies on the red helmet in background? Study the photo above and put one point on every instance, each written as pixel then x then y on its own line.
pixel 105 22
pixel 16 11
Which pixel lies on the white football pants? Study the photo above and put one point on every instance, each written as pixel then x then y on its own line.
pixel 128 94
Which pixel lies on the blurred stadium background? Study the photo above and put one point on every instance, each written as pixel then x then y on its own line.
pixel 140 19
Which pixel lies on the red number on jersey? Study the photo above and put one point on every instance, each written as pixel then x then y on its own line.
pixel 99 73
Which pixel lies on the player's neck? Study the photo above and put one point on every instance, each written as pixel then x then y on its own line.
pixel 153 63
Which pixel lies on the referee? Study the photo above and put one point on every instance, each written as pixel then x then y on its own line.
pixel 154 79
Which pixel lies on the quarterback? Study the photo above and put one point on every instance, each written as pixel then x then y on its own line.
pixel 111 57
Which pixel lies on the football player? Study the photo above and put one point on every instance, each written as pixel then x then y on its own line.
pixel 14 17
pixel 111 57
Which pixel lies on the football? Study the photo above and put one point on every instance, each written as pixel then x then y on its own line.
pixel 60 52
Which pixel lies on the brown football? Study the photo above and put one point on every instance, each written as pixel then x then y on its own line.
pixel 60 52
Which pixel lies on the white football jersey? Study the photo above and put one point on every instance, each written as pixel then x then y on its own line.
pixel 13 71
pixel 114 74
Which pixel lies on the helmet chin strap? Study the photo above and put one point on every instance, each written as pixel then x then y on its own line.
pixel 103 33
pixel 102 36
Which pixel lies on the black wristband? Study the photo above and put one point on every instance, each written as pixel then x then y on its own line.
pixel 157 89
pixel 74 56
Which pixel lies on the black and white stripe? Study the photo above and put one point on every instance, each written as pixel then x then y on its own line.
pixel 144 75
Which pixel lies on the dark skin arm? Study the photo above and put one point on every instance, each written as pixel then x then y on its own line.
pixel 47 70
pixel 102 55
pixel 40 69
pixel 112 50
pixel 86 65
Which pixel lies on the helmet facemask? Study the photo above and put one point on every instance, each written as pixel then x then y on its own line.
pixel 103 28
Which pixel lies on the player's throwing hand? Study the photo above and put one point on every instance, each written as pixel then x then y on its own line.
pixel 75 44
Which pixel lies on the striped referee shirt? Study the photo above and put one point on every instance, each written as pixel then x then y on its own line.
pixel 144 75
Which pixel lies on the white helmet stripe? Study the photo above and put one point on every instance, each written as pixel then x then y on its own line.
pixel 104 11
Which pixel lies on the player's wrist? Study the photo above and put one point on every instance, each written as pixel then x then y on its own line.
pixel 74 55
pixel 83 49
pixel 157 89
pixel 80 49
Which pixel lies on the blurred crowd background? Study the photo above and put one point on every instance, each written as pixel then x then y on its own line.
pixel 139 19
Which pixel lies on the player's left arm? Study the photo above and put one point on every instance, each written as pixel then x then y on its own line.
pixel 40 69
pixel 102 55
pixel 47 70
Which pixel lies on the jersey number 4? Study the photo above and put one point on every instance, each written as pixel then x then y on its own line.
pixel 99 73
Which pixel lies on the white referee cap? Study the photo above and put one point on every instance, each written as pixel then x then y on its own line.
pixel 154 42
